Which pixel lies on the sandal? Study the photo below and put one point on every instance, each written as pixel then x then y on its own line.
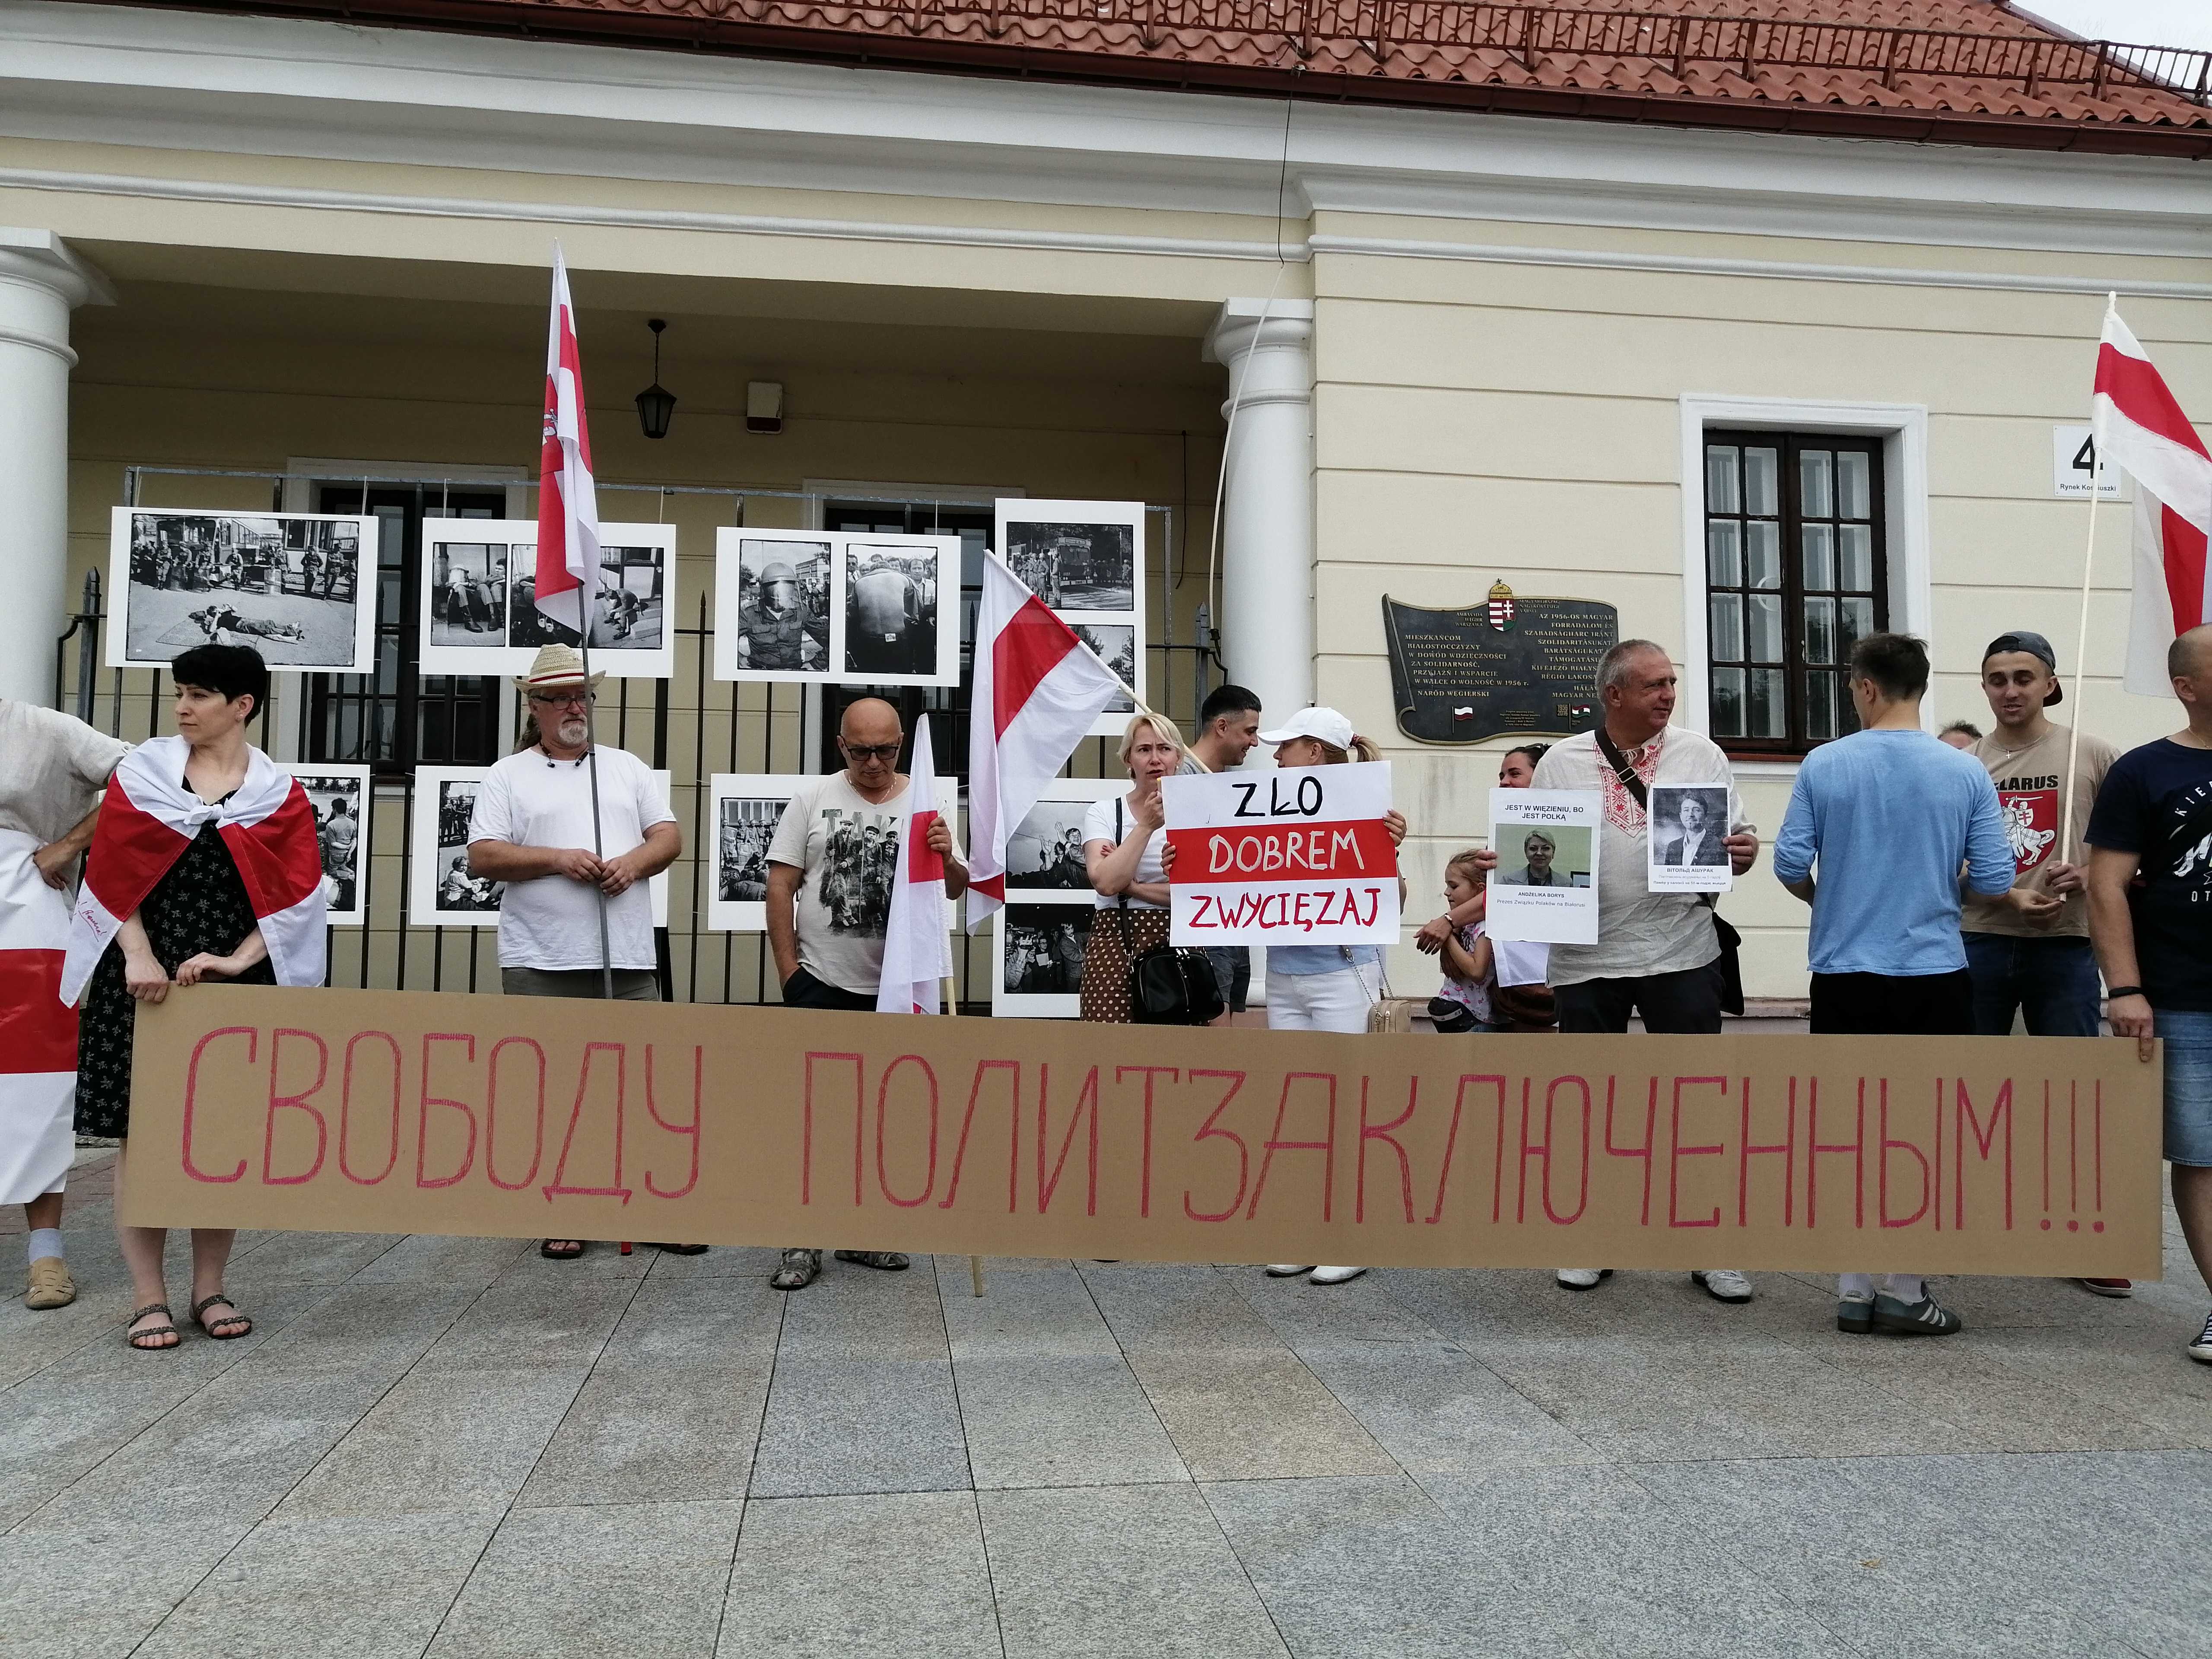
pixel 681 1249
pixel 561 1249
pixel 890 1262
pixel 133 1338
pixel 234 1317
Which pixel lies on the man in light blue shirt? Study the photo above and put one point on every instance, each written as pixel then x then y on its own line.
pixel 1880 825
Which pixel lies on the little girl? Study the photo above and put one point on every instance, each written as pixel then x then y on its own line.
pixel 1464 1004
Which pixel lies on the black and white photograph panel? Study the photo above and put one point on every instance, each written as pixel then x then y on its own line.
pixel 340 797
pixel 630 632
pixel 744 809
pixel 773 615
pixel 287 584
pixel 1044 855
pixel 1075 556
pixel 901 597
pixel 1040 960
pixel 1116 646
pixel 1688 841
pixel 441 893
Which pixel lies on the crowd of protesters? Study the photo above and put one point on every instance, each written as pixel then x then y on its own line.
pixel 1958 883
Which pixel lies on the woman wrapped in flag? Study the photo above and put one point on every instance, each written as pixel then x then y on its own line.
pixel 204 867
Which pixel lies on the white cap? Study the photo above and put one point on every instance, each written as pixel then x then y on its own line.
pixel 1326 724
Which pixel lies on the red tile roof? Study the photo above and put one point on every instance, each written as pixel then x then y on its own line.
pixel 1956 70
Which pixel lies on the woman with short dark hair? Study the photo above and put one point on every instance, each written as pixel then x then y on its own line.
pixel 168 900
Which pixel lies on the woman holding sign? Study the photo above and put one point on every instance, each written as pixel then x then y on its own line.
pixel 1324 987
pixel 1122 839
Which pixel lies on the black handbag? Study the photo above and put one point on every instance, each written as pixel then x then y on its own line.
pixel 1730 961
pixel 1167 986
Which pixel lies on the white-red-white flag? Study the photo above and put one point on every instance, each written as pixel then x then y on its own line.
pixel 38 1031
pixel 917 955
pixel 1037 689
pixel 567 499
pixel 2139 426
pixel 148 817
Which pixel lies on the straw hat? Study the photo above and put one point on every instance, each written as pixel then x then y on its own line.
pixel 554 668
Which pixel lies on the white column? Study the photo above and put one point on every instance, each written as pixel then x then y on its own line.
pixel 1266 618
pixel 41 282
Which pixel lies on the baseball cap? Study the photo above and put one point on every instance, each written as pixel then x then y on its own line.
pixel 1326 724
pixel 2036 645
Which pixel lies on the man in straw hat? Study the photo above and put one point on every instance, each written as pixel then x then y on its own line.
pixel 533 829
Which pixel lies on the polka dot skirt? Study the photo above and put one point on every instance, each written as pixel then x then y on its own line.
pixel 1107 960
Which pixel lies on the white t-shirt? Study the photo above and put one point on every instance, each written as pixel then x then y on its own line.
pixel 1639 933
pixel 1098 825
pixel 552 921
pixel 52 769
pixel 847 849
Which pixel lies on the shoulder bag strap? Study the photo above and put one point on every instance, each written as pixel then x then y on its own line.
pixel 1121 899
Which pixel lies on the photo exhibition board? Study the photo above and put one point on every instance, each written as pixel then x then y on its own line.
pixel 1087 560
pixel 743 811
pixel 441 892
pixel 344 797
pixel 478 614
pixel 901 599
pixel 1040 937
pixel 290 585
pixel 773 615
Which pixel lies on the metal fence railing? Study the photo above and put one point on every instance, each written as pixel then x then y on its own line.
pixel 692 726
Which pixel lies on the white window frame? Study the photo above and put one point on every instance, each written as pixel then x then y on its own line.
pixel 1903 430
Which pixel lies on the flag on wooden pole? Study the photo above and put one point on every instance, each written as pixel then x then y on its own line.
pixel 917 956
pixel 567 500
pixel 1036 690
pixel 2139 426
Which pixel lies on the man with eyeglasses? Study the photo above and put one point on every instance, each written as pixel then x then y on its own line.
pixel 829 898
pixel 532 829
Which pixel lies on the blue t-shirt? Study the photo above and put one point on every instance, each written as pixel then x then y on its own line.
pixel 1304 959
pixel 2156 803
pixel 1887 818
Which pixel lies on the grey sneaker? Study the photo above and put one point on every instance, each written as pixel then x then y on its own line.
pixel 1921 1318
pixel 800 1268
pixel 1855 1314
pixel 890 1262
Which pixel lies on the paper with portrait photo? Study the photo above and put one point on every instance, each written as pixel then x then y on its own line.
pixel 1544 890
pixel 1686 849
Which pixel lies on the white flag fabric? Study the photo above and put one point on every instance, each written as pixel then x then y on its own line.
pixel 917 955
pixel 2139 426
pixel 37 1030
pixel 568 498
pixel 1037 689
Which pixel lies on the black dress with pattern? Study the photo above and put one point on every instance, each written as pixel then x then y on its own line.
pixel 200 904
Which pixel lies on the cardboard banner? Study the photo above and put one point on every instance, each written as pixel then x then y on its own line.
pixel 398 1112
pixel 1297 855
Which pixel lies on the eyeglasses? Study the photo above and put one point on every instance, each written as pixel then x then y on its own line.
pixel 562 699
pixel 868 751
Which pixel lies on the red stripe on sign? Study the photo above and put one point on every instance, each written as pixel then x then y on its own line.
pixel 2140 392
pixel 1030 646
pixel 1282 852
pixel 2185 549
pixel 38 1029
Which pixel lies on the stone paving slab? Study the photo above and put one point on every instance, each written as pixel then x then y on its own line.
pixel 457 1446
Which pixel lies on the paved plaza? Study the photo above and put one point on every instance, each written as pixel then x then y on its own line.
pixel 451 1446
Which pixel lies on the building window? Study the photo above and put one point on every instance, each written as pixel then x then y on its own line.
pixel 1795 574
pixel 397 718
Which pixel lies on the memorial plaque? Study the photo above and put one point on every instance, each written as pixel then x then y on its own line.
pixel 1512 667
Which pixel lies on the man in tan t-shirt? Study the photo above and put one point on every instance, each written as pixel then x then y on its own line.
pixel 2029 951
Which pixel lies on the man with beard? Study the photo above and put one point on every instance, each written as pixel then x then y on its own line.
pixel 827 911
pixel 532 829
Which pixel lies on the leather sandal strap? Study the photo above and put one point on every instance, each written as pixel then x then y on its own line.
pixel 200 1307
pixel 151 1307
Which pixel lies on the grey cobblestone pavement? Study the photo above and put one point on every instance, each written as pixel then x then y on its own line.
pixel 452 1447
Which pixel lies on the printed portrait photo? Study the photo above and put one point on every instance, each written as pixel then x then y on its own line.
pixel 1689 827
pixel 1553 856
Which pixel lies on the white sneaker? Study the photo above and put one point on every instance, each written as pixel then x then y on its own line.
pixel 1583 1278
pixel 1723 1284
pixel 1336 1275
pixel 2201 1349
pixel 1287 1269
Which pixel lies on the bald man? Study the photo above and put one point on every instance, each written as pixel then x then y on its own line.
pixel 829 876
pixel 2150 920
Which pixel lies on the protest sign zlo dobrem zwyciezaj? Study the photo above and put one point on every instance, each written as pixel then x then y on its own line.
pixel 1297 855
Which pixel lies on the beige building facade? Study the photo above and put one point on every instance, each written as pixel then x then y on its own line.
pixel 256 261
